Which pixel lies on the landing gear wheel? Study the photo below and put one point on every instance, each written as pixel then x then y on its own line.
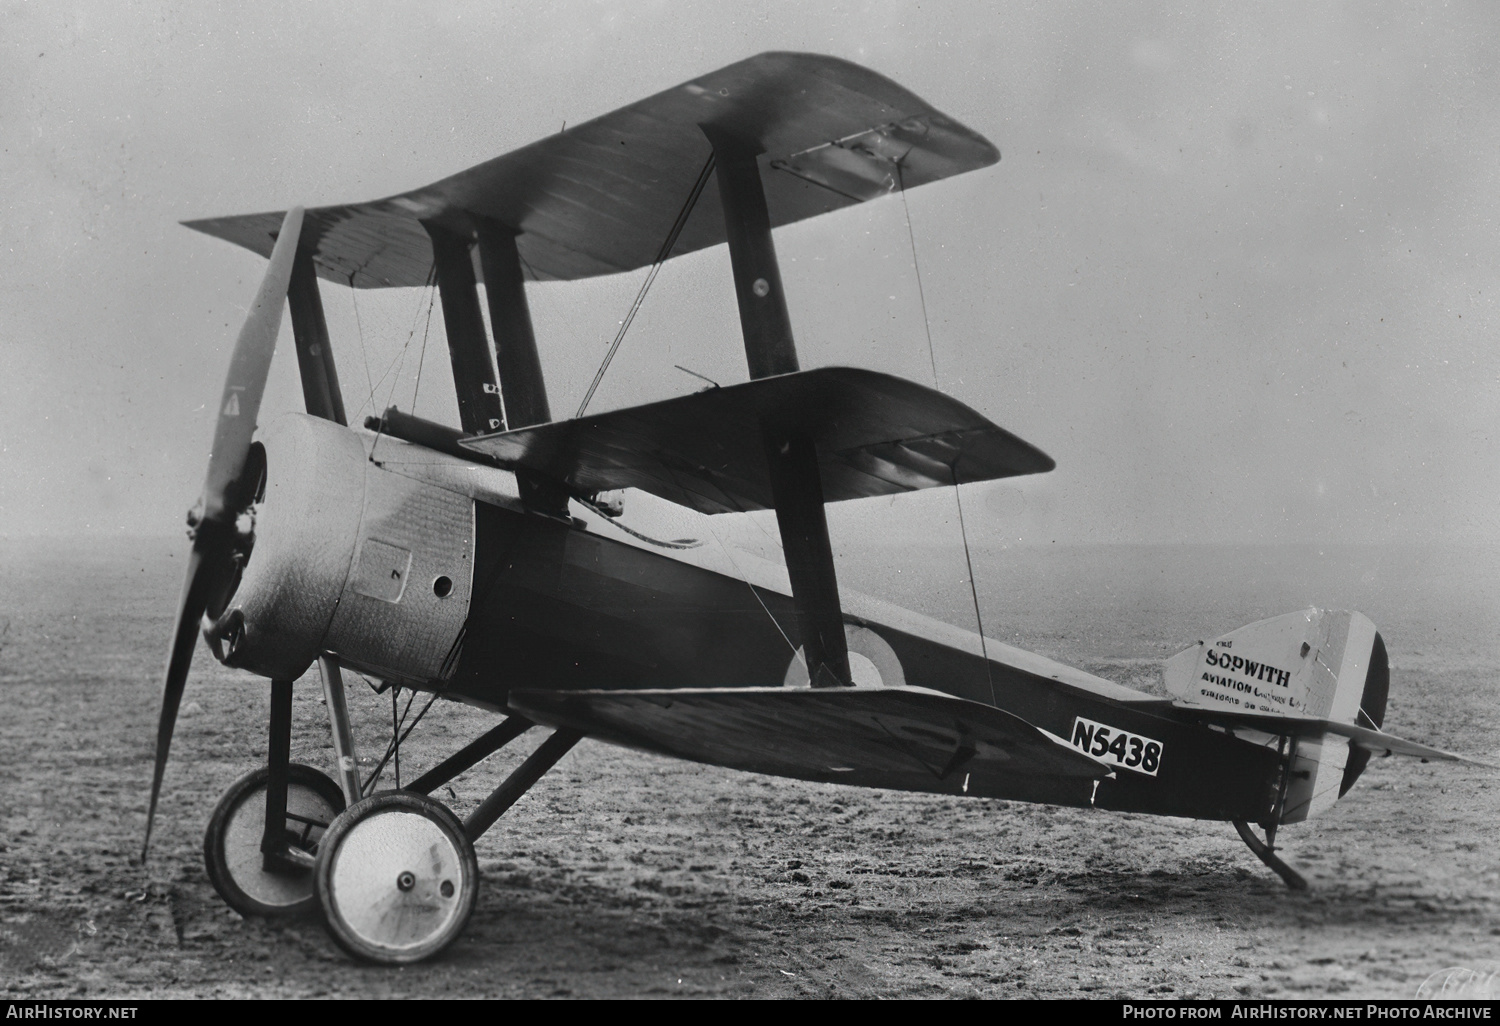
pixel 231 845
pixel 396 877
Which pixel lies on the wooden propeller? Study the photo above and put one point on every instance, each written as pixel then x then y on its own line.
pixel 226 492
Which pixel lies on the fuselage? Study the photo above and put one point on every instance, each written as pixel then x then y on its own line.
pixel 535 602
pixel 572 607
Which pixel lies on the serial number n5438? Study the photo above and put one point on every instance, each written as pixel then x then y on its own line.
pixel 1120 747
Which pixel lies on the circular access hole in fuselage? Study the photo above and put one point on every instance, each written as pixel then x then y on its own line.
pixel 442 586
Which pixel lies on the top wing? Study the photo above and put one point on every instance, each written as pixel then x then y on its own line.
pixel 906 738
pixel 600 198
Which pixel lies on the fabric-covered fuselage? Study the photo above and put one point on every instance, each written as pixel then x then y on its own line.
pixel 565 607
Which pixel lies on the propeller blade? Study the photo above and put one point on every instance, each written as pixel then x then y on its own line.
pixel 224 493
pixel 248 369
pixel 190 608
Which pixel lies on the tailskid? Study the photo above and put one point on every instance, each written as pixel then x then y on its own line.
pixel 1266 852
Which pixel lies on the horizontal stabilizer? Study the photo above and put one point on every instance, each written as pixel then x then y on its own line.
pixel 876 435
pixel 601 197
pixel 1377 742
pixel 905 738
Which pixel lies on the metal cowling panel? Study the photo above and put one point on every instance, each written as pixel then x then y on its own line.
pixel 407 595
pixel 305 535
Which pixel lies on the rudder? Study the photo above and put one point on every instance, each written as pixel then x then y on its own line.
pixel 1323 664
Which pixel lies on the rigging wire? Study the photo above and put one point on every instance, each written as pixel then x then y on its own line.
pixel 396 360
pixel 921 293
pixel 774 540
pixel 701 377
pixel 953 468
pixel 730 556
pixel 411 336
pixel 400 360
pixel 708 526
pixel 369 784
pixel 640 297
pixel 973 588
pixel 364 354
pixel 422 358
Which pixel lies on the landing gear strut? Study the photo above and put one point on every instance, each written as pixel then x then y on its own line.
pixel 232 845
pixel 263 835
pixel 394 874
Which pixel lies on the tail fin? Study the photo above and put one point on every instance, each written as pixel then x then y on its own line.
pixel 1312 665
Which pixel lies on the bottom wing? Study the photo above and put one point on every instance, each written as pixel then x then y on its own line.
pixel 905 738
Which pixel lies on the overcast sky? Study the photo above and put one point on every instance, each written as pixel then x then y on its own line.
pixel 1236 271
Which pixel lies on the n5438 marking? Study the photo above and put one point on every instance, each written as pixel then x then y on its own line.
pixel 1132 751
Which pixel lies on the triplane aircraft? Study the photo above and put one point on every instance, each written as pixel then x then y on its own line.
pixel 482 564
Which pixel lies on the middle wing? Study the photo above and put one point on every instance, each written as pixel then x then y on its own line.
pixel 906 738
pixel 876 435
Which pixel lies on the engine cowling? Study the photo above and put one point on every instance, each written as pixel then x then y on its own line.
pixel 371 563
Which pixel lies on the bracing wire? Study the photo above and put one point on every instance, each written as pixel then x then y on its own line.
pixel 640 297
pixel 400 359
pixel 364 354
pixel 422 357
pixel 734 563
pixel 973 587
pixel 921 293
pixel 411 337
pixel 953 469
pixel 708 526
pixel 396 741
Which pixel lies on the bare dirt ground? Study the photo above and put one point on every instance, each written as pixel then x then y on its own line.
pixel 622 874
